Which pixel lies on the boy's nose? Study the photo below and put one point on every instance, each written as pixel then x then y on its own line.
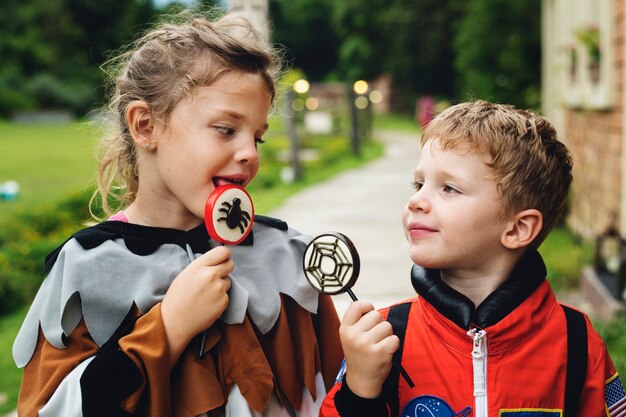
pixel 419 201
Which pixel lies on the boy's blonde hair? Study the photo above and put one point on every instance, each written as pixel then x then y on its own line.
pixel 161 68
pixel 531 167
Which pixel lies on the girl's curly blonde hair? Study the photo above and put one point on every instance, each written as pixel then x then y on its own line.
pixel 161 68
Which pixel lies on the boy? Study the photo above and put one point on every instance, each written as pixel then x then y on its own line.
pixel 485 336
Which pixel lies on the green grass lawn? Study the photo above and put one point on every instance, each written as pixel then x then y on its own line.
pixel 47 161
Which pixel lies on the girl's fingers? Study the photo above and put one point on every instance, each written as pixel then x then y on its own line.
pixel 215 256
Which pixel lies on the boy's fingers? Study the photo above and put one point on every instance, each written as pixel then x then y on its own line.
pixel 390 343
pixel 355 311
pixel 379 329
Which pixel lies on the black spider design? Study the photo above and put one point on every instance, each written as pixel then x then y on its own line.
pixel 235 216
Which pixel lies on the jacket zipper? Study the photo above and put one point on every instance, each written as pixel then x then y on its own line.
pixel 479 363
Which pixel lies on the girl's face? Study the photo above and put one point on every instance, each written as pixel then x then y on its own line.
pixel 210 139
pixel 455 220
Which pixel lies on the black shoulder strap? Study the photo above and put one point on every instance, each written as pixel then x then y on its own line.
pixel 398 316
pixel 576 360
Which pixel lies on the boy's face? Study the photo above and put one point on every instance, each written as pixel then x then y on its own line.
pixel 454 220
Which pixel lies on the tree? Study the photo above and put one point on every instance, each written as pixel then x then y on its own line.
pixel 418 49
pixel 411 40
pixel 304 29
pixel 52 50
pixel 358 24
pixel 498 51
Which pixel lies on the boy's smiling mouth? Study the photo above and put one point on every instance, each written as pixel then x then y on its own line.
pixel 419 230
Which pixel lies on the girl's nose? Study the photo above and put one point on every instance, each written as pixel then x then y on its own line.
pixel 247 152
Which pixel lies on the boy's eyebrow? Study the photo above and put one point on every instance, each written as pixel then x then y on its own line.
pixel 442 172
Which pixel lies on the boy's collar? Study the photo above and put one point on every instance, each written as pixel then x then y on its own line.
pixel 527 275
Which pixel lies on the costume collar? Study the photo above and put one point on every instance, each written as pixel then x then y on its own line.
pixel 145 240
pixel 525 278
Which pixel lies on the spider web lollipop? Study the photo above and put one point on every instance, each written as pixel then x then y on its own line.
pixel 332 264
pixel 228 214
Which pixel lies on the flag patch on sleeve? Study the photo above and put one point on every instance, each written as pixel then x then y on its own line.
pixel 615 397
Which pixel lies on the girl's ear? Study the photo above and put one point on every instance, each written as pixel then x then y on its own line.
pixel 523 229
pixel 141 124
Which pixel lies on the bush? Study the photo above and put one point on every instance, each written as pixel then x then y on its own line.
pixel 614 335
pixel 26 239
pixel 11 98
pixel 52 93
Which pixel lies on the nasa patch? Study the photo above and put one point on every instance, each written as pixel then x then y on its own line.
pixel 431 406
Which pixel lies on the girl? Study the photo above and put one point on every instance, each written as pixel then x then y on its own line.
pixel 114 328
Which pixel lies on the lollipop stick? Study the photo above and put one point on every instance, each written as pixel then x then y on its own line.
pixel 204 335
pixel 202 343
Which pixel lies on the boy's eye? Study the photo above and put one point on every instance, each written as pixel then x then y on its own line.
pixel 259 141
pixel 449 189
pixel 417 185
pixel 225 130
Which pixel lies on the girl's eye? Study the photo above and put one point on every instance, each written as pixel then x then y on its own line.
pixel 259 141
pixel 225 130
pixel 417 185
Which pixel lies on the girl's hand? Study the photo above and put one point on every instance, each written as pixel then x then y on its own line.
pixel 196 298
pixel 368 344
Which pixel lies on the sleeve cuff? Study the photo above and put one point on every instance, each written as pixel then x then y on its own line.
pixel 349 404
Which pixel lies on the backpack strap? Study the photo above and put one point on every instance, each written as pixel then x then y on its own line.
pixel 398 316
pixel 576 360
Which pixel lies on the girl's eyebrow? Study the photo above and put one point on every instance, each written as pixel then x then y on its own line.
pixel 238 116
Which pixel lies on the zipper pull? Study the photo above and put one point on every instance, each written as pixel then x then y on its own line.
pixel 477 346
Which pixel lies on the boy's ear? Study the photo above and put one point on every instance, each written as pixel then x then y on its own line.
pixel 523 229
pixel 141 124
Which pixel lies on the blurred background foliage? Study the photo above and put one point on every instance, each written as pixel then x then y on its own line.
pixel 52 50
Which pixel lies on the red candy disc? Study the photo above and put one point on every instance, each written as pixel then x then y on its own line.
pixel 229 214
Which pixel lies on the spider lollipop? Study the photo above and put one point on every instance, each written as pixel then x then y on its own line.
pixel 228 217
pixel 228 214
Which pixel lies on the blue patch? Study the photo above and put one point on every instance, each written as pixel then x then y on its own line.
pixel 523 412
pixel 342 372
pixel 431 406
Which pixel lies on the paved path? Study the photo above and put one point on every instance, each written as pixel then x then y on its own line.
pixel 365 204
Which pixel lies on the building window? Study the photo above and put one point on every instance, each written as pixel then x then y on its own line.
pixel 586 53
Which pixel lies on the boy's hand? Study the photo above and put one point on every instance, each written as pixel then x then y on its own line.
pixel 368 344
pixel 196 298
